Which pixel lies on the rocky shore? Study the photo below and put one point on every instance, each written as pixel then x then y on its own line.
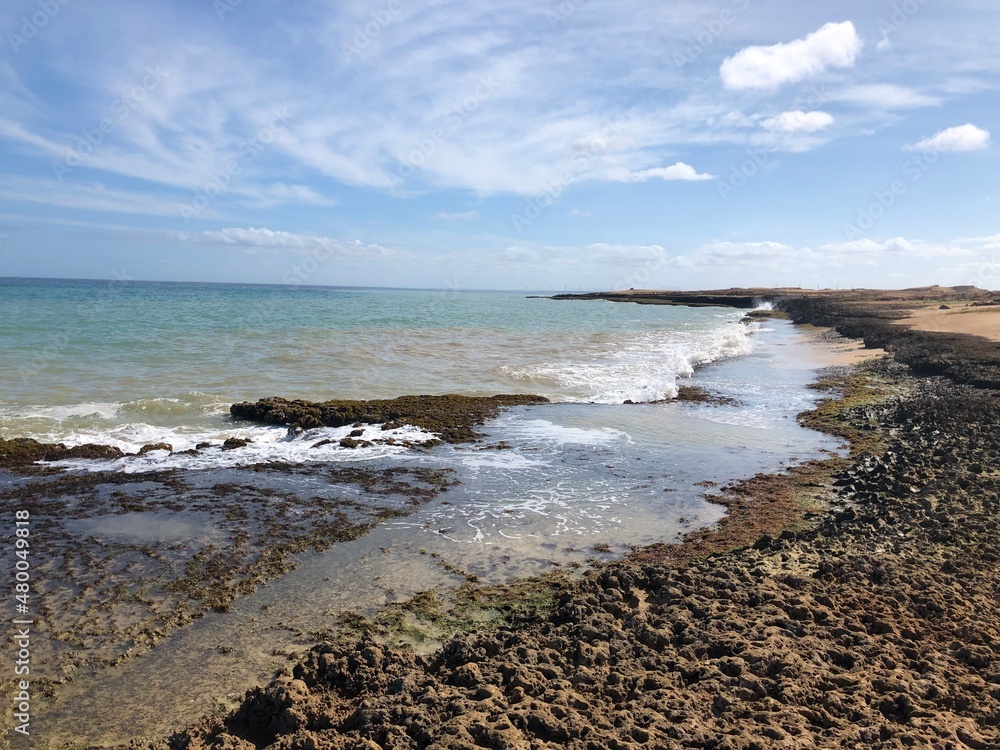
pixel 851 603
pixel 451 416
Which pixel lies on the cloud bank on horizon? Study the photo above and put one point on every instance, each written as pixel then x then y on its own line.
pixel 516 145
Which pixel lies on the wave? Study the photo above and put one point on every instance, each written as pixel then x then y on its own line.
pixel 642 368
pixel 193 405
pixel 189 404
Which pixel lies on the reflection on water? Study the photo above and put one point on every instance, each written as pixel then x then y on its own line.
pixel 146 526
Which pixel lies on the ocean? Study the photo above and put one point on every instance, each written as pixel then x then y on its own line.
pixel 613 462
pixel 132 363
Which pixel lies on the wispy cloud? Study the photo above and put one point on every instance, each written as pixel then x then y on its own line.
pixel 775 255
pixel 500 89
pixel 280 192
pixel 252 239
pixel 263 120
pixel 798 121
pixel 884 96
pixel 463 216
pixel 88 196
pixel 900 247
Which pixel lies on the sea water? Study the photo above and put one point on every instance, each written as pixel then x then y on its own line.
pixel 132 363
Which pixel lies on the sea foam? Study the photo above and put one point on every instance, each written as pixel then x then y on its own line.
pixel 641 367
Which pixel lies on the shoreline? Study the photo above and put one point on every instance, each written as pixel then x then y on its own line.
pixel 869 624
pixel 435 619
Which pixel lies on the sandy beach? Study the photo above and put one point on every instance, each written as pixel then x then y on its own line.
pixel 836 350
pixel 847 603
pixel 982 320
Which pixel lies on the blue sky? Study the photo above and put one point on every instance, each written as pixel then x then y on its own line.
pixel 510 144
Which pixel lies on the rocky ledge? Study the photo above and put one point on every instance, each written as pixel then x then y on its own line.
pixel 450 416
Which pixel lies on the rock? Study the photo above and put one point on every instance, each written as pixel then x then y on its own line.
pixel 149 447
pixel 229 742
pixel 90 450
pixel 349 442
pixel 23 452
pixel 233 443
pixel 451 416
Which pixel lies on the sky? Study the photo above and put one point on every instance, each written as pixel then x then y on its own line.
pixel 512 144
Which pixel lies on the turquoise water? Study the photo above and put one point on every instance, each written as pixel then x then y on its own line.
pixel 84 360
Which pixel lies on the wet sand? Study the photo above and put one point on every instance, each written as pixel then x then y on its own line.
pixel 851 603
pixel 834 350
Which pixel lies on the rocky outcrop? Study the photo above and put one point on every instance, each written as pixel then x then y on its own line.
pixel 22 453
pixel 452 417
pixel 150 447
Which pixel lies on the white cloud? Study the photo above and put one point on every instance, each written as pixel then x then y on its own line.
pixel 624 255
pixel 578 212
pixel 15 132
pixel 834 45
pixel 464 216
pixel 442 87
pixel 798 121
pixel 678 171
pixel 960 138
pixel 991 242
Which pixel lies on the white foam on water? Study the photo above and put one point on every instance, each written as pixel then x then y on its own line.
pixel 270 443
pixel 498 459
pixel 125 423
pixel 758 417
pixel 640 368
pixel 542 431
